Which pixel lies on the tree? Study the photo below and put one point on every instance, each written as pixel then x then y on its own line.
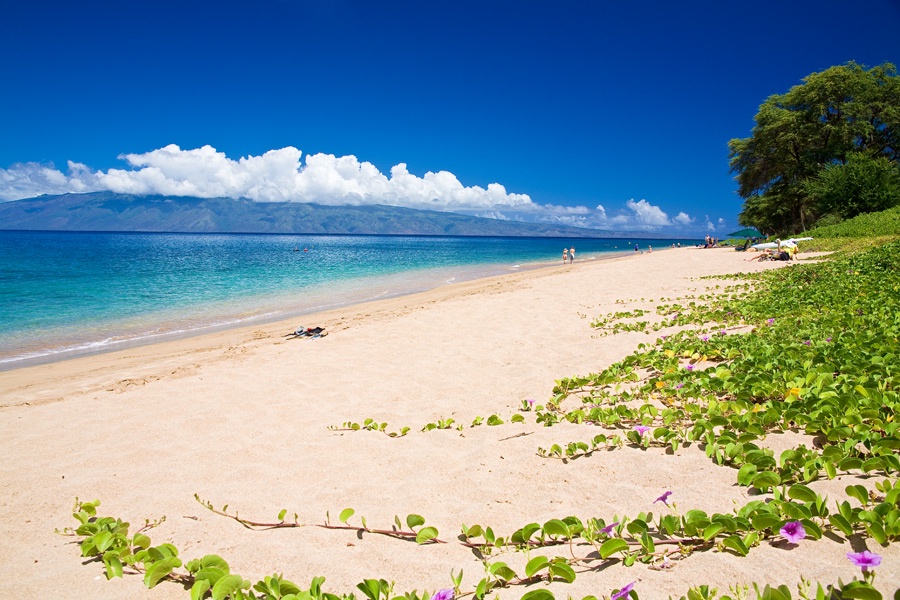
pixel 862 184
pixel 833 115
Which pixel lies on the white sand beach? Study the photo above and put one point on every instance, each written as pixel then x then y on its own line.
pixel 244 417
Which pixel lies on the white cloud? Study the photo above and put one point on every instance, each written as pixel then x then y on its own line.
pixel 647 214
pixel 642 216
pixel 25 180
pixel 683 219
pixel 717 226
pixel 284 175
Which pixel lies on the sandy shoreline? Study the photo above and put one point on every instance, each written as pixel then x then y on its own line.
pixel 242 417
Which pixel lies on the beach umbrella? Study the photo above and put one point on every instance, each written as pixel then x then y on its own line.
pixel 749 232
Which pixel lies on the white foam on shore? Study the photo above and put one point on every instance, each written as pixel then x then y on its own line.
pixel 162 326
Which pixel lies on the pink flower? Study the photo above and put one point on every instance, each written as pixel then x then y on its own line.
pixel 689 367
pixel 623 592
pixel 864 559
pixel 664 498
pixel 793 531
pixel 641 429
pixel 608 529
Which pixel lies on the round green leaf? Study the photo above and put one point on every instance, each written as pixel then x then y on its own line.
pixel 861 592
pixel 611 546
pixel 425 534
pixel 536 564
pixel 413 521
pixel 766 480
pixel 541 594
pixel 226 586
pixel 556 528
pixel 802 493
pixel 712 531
pixel 560 569
pixel 199 589
pixel 158 571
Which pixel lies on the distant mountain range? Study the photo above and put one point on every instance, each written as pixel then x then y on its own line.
pixel 108 211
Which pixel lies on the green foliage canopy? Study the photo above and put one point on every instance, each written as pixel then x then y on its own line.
pixel 861 185
pixel 833 115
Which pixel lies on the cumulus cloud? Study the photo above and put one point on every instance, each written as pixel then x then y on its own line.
pixel 640 215
pixel 683 219
pixel 285 175
pixel 24 180
pixel 646 214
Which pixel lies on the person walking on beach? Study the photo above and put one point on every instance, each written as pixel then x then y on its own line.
pixel 572 254
pixel 636 249
pixel 565 254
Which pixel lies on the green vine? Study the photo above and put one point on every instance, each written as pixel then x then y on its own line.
pixel 811 349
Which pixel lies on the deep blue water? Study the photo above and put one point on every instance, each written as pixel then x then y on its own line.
pixel 68 293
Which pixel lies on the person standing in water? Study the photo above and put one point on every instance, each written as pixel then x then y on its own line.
pixel 565 255
pixel 572 254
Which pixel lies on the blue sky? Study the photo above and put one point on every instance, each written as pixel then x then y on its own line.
pixel 613 115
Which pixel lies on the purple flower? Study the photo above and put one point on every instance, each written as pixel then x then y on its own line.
pixel 445 594
pixel 608 529
pixel 664 498
pixel 705 338
pixel 793 531
pixel 722 332
pixel 808 342
pixel 827 339
pixel 641 429
pixel 770 321
pixel 864 559
pixel 664 337
pixel 689 367
pixel 678 386
pixel 623 593
pixel 530 402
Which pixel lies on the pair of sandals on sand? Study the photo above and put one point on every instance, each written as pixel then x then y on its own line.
pixel 308 332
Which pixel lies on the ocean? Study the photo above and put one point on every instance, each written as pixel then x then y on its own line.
pixel 67 294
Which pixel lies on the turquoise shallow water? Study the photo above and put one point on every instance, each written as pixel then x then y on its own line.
pixel 64 294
